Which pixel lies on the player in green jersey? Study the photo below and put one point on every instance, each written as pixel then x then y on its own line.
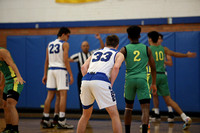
pixel 13 87
pixel 137 56
pixel 159 52
pixel 156 113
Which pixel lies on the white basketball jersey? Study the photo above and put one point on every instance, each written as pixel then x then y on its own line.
pixel 103 61
pixel 55 52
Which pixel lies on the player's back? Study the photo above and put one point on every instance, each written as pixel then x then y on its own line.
pixel 159 56
pixel 103 61
pixel 136 60
pixel 55 52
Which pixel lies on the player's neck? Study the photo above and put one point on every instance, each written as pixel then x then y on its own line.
pixel 154 44
pixel 110 47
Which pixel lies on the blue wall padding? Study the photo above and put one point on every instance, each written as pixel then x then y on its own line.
pixel 29 54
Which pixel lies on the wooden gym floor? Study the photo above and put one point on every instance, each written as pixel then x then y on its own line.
pixel 100 123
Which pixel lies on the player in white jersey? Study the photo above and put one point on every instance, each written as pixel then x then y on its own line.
pixel 100 71
pixel 58 67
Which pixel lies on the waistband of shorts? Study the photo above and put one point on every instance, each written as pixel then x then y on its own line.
pixel 96 76
pixel 57 68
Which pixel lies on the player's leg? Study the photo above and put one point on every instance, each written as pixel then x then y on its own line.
pixel 130 93
pixel 114 115
pixel 145 106
pixel 144 96
pixel 156 113
pixel 62 124
pixel 56 109
pixel 128 117
pixel 13 114
pixel 6 115
pixel 13 90
pixel 46 116
pixel 81 128
pixel 176 107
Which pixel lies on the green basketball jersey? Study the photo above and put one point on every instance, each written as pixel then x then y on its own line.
pixel 136 61
pixel 159 56
pixel 6 70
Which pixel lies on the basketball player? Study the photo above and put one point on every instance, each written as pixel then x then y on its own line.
pixel 100 71
pixel 12 90
pixel 137 56
pixel 159 53
pixel 59 70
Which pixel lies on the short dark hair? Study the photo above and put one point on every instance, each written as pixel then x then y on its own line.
pixel 154 35
pixel 63 30
pixel 134 32
pixel 112 40
pixel 160 35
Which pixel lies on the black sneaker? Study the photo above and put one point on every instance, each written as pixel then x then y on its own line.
pixel 155 117
pixel 64 125
pixel 170 117
pixel 55 120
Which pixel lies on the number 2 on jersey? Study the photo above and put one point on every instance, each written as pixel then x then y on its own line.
pixel 102 56
pixel 136 53
pixel 54 48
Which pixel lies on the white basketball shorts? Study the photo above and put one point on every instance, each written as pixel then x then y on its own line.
pixel 98 90
pixel 57 79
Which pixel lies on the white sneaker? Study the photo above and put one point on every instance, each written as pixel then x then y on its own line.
pixel 64 125
pixel 187 123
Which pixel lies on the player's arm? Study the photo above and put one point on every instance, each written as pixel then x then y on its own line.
pixel 153 71
pixel 168 60
pixel 115 70
pixel 46 64
pixel 85 66
pixel 177 54
pixel 123 51
pixel 100 40
pixel 2 81
pixel 66 61
pixel 5 54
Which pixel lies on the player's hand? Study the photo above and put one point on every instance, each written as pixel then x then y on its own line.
pixel 20 80
pixel 44 80
pixel 98 36
pixel 71 80
pixel 154 89
pixel 191 55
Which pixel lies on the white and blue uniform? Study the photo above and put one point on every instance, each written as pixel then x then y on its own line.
pixel 57 76
pixel 96 84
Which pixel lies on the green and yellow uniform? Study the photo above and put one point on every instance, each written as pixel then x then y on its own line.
pixel 161 78
pixel 10 79
pixel 136 72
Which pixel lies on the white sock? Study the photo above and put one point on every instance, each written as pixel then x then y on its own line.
pixel 183 116
pixel 170 109
pixel 156 110
pixel 45 114
pixel 61 114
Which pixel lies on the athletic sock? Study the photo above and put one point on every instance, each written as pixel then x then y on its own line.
pixel 46 114
pixel 170 109
pixel 156 110
pixel 183 116
pixel 61 114
pixel 127 128
pixel 144 128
